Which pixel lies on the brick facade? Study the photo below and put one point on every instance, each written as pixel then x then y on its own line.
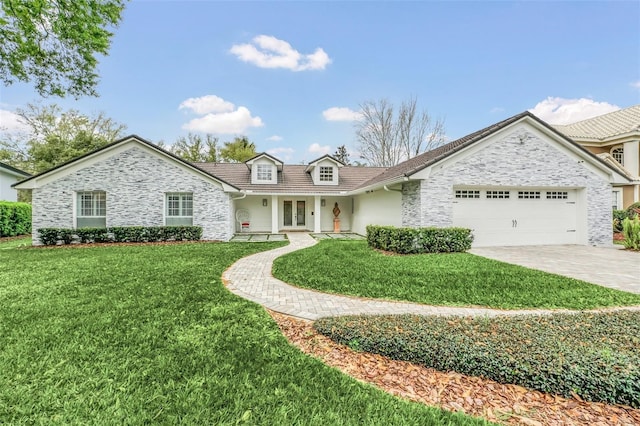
pixel 136 183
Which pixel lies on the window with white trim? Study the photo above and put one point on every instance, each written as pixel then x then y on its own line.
pixel 264 172
pixel 467 193
pixel 498 194
pixel 557 195
pixel 326 174
pixel 179 209
pixel 618 154
pixel 529 195
pixel 616 200
pixel 92 209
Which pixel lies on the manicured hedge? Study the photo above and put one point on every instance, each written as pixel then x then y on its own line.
pixel 593 355
pixel 15 219
pixel 419 240
pixel 119 234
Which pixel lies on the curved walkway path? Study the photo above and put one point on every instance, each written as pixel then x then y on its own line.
pixel 251 278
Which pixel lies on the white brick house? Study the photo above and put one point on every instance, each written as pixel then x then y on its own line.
pixel 517 182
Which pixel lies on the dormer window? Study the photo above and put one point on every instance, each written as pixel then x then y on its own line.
pixel 264 172
pixel 326 174
pixel 618 154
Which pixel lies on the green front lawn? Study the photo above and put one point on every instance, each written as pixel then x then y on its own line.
pixel 148 335
pixel 17 242
pixel 457 279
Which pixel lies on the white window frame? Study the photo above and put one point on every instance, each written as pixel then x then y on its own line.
pixel 496 195
pixel 264 172
pixel 617 152
pixel 325 174
pixel 96 208
pixel 528 195
pixel 616 196
pixel 467 193
pixel 184 207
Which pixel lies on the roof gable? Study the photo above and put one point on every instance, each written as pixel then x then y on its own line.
pixel 262 155
pixel 317 161
pixel 93 156
pixel 420 162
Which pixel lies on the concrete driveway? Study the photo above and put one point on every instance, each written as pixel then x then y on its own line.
pixel 609 267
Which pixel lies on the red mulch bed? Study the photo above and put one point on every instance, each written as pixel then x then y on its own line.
pixel 5 239
pixel 88 245
pixel 475 396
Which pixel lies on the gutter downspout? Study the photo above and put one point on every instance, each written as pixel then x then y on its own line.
pixel 391 190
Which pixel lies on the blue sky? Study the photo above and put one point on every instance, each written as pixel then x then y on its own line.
pixel 209 67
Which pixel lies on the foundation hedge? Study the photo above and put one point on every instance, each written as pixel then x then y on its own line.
pixel 15 218
pixel 119 234
pixel 595 356
pixel 419 240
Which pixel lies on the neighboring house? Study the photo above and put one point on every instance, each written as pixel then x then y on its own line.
pixel 615 138
pixel 8 176
pixel 517 182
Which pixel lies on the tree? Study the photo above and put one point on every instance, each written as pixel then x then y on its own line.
pixel 195 148
pixel 238 151
pixel 54 43
pixel 341 154
pixel 56 136
pixel 387 136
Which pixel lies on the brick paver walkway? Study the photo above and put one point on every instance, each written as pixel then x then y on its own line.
pixel 251 279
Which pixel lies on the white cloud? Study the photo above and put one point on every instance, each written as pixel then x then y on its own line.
pixel 207 104
pixel 234 122
pixel 316 148
pixel 635 84
pixel 282 153
pixel 341 114
pixel 11 122
pixel 496 110
pixel 269 52
pixel 274 138
pixel 556 110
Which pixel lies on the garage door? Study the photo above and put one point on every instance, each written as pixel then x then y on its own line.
pixel 504 216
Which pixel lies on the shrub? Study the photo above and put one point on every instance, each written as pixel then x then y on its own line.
pixel 119 234
pixel 93 235
pixel 419 240
pixel 633 210
pixel 15 218
pixel 631 232
pixel 618 217
pixel 594 355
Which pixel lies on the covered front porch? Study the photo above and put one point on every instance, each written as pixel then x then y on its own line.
pixel 276 214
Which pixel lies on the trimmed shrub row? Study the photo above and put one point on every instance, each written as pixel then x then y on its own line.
pixel 119 234
pixel 15 218
pixel 419 240
pixel 596 356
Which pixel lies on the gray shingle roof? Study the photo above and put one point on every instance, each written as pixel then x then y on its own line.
pixel 604 126
pixel 292 179
pixel 14 170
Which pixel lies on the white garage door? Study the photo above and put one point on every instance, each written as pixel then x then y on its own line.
pixel 505 216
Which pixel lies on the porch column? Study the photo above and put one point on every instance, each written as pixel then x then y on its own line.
pixel 632 157
pixel 316 214
pixel 274 214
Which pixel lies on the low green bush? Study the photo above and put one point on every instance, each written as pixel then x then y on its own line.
pixel 93 235
pixel 631 232
pixel 618 217
pixel 119 234
pixel 15 218
pixel 596 356
pixel 419 240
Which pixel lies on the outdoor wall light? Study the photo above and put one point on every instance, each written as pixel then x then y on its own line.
pixel 323 202
pixel 264 202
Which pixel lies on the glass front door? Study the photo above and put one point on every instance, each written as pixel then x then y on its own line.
pixel 291 216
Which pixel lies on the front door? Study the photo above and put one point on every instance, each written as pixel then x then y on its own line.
pixel 294 217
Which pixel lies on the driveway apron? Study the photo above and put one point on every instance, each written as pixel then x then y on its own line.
pixel 606 266
pixel 251 278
